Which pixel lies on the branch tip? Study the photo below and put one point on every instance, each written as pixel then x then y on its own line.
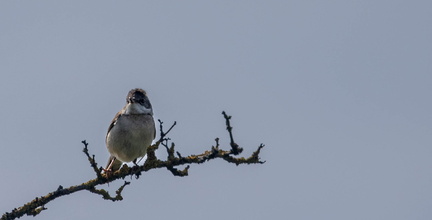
pixel 235 149
pixel 91 159
pixel 162 133
pixel 105 195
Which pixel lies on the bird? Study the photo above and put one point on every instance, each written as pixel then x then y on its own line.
pixel 131 131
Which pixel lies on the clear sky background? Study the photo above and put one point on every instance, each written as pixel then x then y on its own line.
pixel 339 91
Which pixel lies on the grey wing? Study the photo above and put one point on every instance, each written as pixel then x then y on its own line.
pixel 113 122
pixel 154 131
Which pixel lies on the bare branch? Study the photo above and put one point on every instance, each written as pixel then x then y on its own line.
pixel 92 161
pixel 105 194
pixel 162 133
pixel 173 160
pixel 177 172
pixel 234 147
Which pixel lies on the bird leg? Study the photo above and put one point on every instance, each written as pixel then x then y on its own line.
pixel 110 163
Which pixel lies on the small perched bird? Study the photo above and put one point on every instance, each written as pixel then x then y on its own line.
pixel 131 131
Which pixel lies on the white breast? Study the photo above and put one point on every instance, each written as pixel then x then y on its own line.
pixel 130 137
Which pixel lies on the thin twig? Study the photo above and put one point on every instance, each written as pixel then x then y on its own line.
pixel 234 147
pixel 106 195
pixel 162 133
pixel 92 161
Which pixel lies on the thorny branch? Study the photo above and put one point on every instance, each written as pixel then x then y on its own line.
pixel 174 159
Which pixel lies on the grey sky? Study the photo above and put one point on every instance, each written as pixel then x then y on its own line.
pixel 339 91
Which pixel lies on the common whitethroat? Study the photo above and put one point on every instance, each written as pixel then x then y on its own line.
pixel 131 131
